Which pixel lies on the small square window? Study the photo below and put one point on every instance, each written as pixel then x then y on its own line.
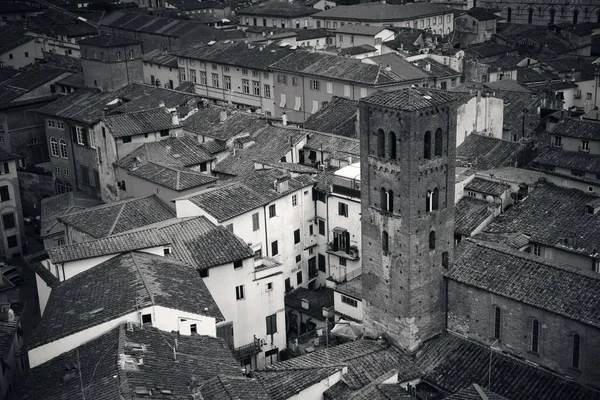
pixel 193 329
pixel 269 286
pixel 237 264
pixel 298 258
pixel 204 273
pixel 146 319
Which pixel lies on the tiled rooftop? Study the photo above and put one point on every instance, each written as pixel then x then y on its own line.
pixel 469 214
pixel 452 363
pixel 473 392
pixel 199 243
pixel 335 67
pixel 271 143
pixel 120 286
pixel 109 245
pixel 238 54
pixel 485 152
pixel 338 118
pixel 253 191
pixel 172 177
pixel 487 187
pixel 139 122
pixel 528 279
pixel 411 99
pixel 569 159
pixel 108 41
pixel 100 360
pixel 384 12
pixel 317 300
pixel 584 129
pixel 364 30
pixel 180 151
pixel 283 384
pixel 274 8
pixel 12 37
pixel 406 71
pixel 111 219
pixel 333 144
pixel 550 215
pixel 59 205
pixel 233 387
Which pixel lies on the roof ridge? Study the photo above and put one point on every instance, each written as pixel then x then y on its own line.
pixel 544 261
pixel 132 254
pixel 134 112
pixel 116 220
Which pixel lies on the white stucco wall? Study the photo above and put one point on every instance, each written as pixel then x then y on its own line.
pixel 347 309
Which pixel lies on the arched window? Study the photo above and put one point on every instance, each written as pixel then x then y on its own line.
pixel 385 245
pixel 576 351
pixel 508 14
pixel 63 149
pixel 435 199
pixel 380 143
pixel 427 146
pixel 432 240
pixel 393 145
pixel 54 147
pixel 497 322
pixel 535 336
pixel 131 54
pixel 428 202
pixel 390 201
pixel 530 16
pixel 94 55
pixel 575 15
pixel 68 187
pixel 383 199
pixel 60 188
pixel 552 15
pixel 439 142
pixel 118 56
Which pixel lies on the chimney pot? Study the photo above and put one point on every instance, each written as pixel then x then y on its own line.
pixel 174 119
pixel 223 116
pixel 305 304
pixel 161 104
pixel 284 119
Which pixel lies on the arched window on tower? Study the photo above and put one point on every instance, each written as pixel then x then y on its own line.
pixel 428 201
pixel 435 199
pixel 508 14
pixel 575 15
pixel 393 142
pixel 131 54
pixel 118 56
pixel 530 16
pixel 380 143
pixel 387 200
pixel 535 336
pixel 439 142
pixel 385 244
pixel 552 15
pixel 432 240
pixel 390 201
pixel 427 146
pixel 576 351
pixel 383 199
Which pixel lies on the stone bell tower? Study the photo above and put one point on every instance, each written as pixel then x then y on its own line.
pixel 408 154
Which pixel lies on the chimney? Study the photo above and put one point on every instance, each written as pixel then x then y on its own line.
pixel 174 119
pixel 6 313
pixel 168 149
pixel 428 67
pixel 305 304
pixel 284 119
pixel 382 1
pixel 161 104
pixel 223 116
pixel 388 68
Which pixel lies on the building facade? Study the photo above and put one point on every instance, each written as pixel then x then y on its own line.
pixel 11 211
pixel 544 12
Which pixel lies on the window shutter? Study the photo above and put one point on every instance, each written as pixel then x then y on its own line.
pixel 74 134
pixel 86 140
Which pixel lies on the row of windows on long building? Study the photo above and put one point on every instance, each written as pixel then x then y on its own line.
pixel 534 343
pixel 392 144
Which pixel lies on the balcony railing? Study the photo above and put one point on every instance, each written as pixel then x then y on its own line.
pixel 350 253
pixel 248 350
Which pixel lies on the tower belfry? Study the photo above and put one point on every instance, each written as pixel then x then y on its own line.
pixel 408 156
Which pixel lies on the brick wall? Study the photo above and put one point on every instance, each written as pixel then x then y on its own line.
pixel 471 313
pixel 404 294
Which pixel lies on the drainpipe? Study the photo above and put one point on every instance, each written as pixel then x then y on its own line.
pixel 266 236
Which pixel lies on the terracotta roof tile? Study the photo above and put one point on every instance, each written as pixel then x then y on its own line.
pixel 411 99
pixel 119 286
pixel 139 122
pixel 569 159
pixel 469 214
pixel 452 363
pixel 283 384
pixel 584 129
pixel 59 205
pixel 105 246
pixel 528 279
pixel 233 388
pixel 121 216
pixel 384 12
pixel 550 215
pixel 485 186
pixel 278 9
pixel 484 152
pixel 175 178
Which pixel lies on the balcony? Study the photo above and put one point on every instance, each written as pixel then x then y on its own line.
pixel 248 350
pixel 349 252
pixel 346 187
